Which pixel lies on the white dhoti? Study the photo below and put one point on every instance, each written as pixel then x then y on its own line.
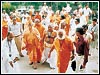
pixel 45 54
pixel 53 58
pixel 79 62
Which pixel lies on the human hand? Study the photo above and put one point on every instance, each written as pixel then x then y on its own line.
pixel 23 47
pixel 49 55
pixel 16 59
pixel 11 64
pixel 72 57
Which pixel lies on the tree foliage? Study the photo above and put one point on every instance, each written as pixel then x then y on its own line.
pixel 9 6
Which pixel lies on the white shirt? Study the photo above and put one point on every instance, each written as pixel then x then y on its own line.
pixel 46 22
pixel 94 29
pixel 88 36
pixel 5 50
pixel 16 29
pixel 7 16
pixel 68 9
pixel 50 12
pixel 72 22
pixel 4 15
pixel 87 11
pixel 24 18
pixel 77 13
pixel 83 20
pixel 45 8
pixel 81 10
pixel 73 30
pixel 32 10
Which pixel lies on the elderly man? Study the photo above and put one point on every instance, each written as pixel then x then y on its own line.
pixel 9 53
pixel 16 28
pixel 30 42
pixel 64 47
pixel 48 43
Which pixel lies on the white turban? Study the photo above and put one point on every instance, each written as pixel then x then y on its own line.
pixel 64 34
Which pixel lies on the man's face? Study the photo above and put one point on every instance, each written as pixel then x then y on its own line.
pixel 77 33
pixel 30 26
pixel 60 34
pixel 56 28
pixel 62 25
pixel 50 28
pixel 73 16
pixel 86 6
pixel 93 22
pixel 37 13
pixel 10 37
pixel 85 29
pixel 76 22
pixel 14 21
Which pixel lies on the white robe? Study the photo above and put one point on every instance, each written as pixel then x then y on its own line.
pixel 6 68
pixel 53 58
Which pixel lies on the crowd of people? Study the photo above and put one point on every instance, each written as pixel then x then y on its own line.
pixel 48 36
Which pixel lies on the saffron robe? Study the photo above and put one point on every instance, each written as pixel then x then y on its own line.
pixel 63 53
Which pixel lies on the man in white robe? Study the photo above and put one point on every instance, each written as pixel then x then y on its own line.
pixel 9 54
pixel 48 43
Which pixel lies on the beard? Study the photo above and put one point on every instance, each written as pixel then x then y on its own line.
pixel 61 38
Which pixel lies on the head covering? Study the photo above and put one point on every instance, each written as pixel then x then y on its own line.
pixel 64 34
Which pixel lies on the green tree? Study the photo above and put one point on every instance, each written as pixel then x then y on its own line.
pixel 8 7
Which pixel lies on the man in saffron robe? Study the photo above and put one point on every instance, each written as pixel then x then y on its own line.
pixel 67 23
pixel 64 47
pixel 41 30
pixel 52 18
pixel 30 42
pixel 37 16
